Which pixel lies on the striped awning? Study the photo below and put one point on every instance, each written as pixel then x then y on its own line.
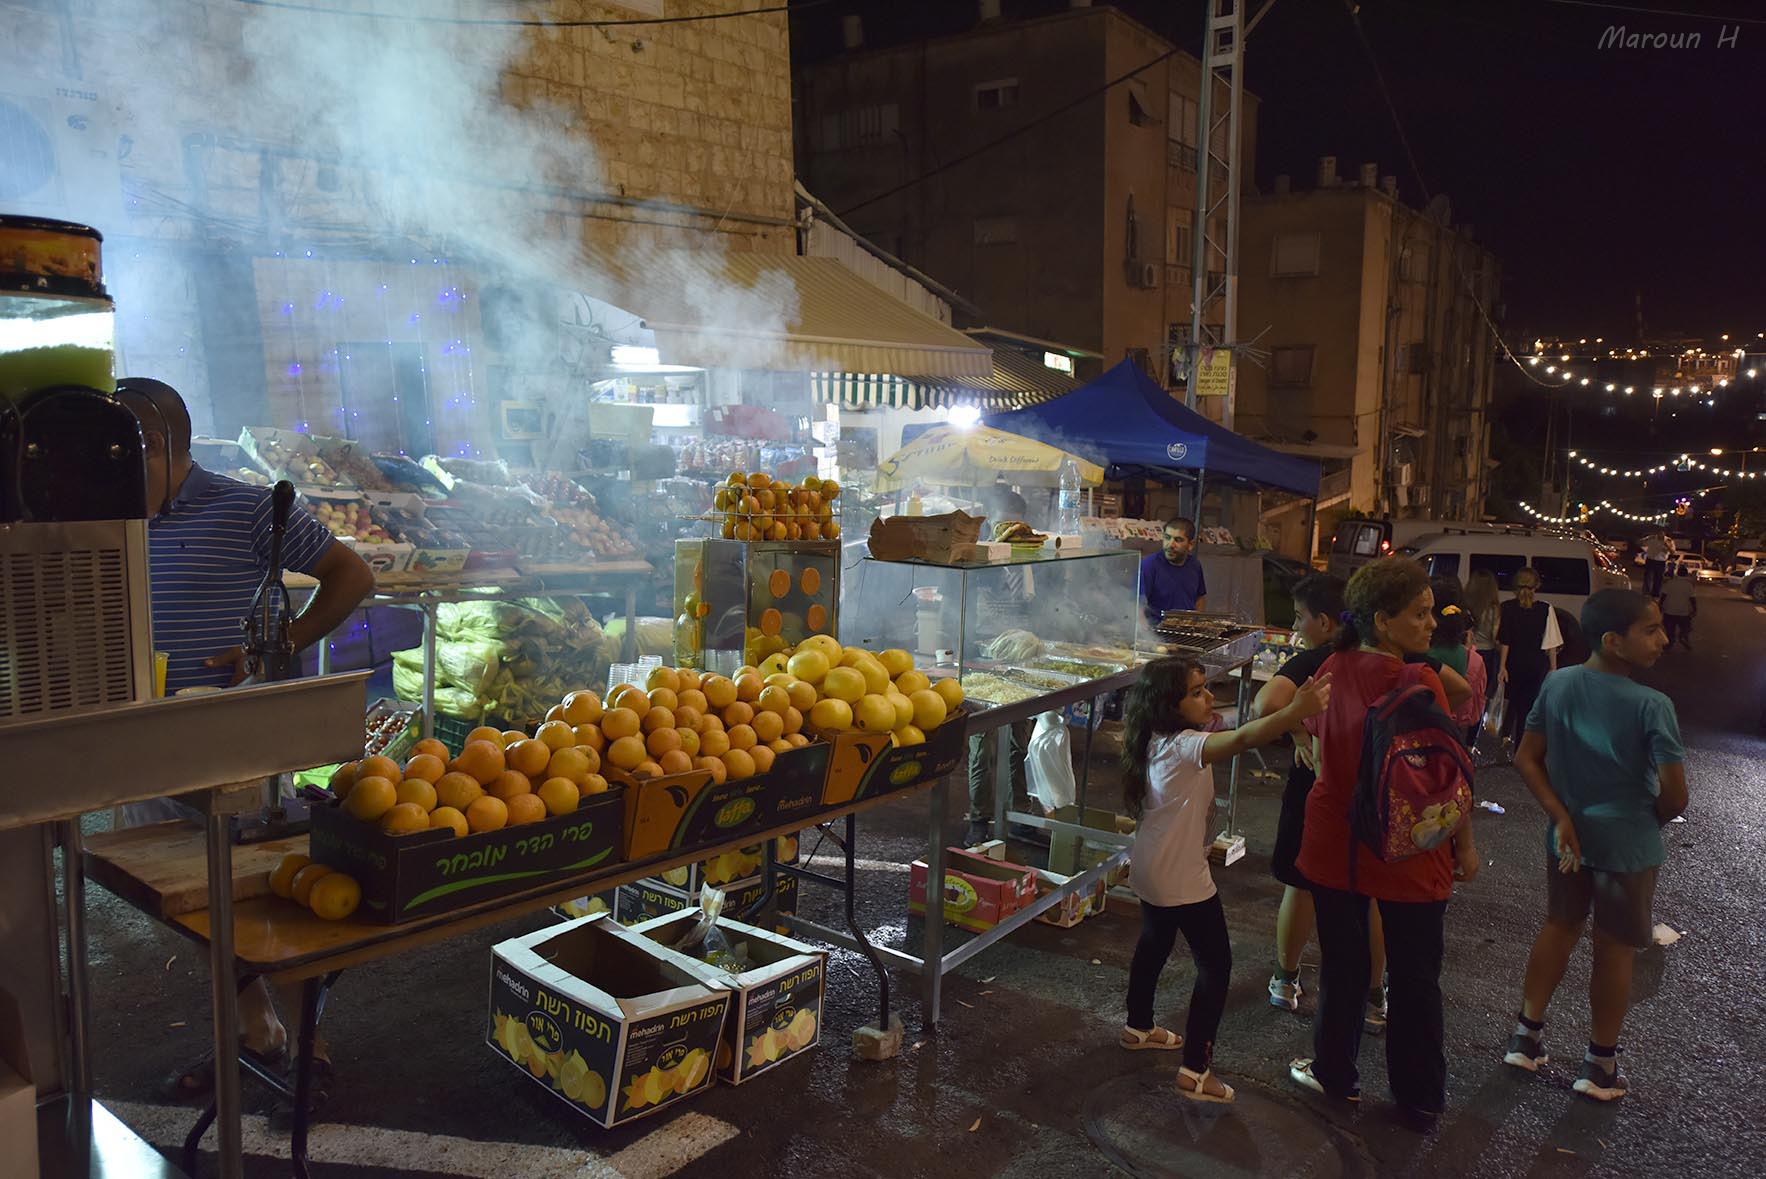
pixel 781 312
pixel 1016 381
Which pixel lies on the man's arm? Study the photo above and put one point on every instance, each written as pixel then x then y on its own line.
pixel 1502 663
pixel 1530 760
pixel 1670 791
pixel 1202 604
pixel 344 580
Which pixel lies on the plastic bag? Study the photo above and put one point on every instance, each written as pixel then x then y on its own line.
pixel 1048 762
pixel 1496 710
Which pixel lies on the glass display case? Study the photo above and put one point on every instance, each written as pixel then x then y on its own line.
pixel 737 602
pixel 1010 629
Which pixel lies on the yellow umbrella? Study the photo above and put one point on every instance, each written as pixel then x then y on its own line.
pixel 950 457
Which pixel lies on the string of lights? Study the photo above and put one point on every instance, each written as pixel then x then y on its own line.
pixel 1683 462
pixel 1583 516
pixel 1565 375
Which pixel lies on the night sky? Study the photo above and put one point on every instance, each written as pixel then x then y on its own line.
pixel 1593 173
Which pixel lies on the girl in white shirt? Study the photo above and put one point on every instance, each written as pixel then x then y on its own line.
pixel 1169 787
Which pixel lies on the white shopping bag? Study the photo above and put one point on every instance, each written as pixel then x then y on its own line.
pixel 1495 709
pixel 1048 762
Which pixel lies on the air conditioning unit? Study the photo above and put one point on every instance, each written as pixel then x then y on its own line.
pixel 1417 495
pixel 1143 274
pixel 58 153
pixel 1406 472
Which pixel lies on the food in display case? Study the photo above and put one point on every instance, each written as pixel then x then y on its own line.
pixel 508 658
pixel 352 520
pixel 739 603
pixel 285 454
pixel 351 462
pixel 755 508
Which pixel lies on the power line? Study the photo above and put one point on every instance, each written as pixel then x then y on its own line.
pixel 535 23
pixel 1008 136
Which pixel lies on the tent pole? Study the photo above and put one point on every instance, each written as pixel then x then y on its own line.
pixel 1311 530
pixel 1201 477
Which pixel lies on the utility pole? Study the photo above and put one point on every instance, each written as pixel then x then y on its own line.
pixel 1223 54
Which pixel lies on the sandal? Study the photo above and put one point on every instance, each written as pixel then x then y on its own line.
pixel 1300 1069
pixel 198 1080
pixel 1198 1090
pixel 1155 1038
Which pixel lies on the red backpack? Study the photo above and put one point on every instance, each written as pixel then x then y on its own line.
pixel 1415 785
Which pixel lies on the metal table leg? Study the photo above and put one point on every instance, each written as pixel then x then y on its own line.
pixel 1232 790
pixel 1002 777
pixel 858 934
pixel 628 653
pixel 312 1005
pixel 224 992
pixel 430 611
pixel 73 872
pixel 932 947
pixel 1091 727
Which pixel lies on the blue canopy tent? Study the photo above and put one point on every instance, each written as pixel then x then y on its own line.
pixel 1123 420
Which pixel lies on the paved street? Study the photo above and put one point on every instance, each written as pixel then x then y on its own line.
pixel 1023 1078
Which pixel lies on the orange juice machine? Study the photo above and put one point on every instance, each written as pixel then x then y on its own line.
pixel 736 602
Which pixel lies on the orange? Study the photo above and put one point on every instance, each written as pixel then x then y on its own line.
pixel 912 681
pixel 486 733
pixel 301 887
pixel 689 741
pixel 782 745
pixel 739 713
pixel 592 736
pixel 692 698
pixel 720 691
pixel 581 708
pixel 595 785
pixel 283 876
pixel 620 722
pixel 663 677
pixel 811 581
pixel 873 714
pixel 433 748
pixel 511 736
pixel 529 757
pixel 778 679
pixel 802 694
pixel 556 712
pixel 556 735
pixel 748 686
pixel 773 698
pixel 634 698
pixel 929 709
pixel 418 791
pixel 662 741
pixel 831 714
pixel 844 683
pixel 711 723
pixel 950 690
pixel 487 814
pixel 767 499
pixel 483 760
pixel 798 740
pixel 526 808
pixel 664 698
pixel 404 818
pixel 658 718
pixel 447 816
pixel 426 766
pixel 343 777
pixel 371 797
pixel 675 761
pixel 718 771
pixel 793 720
pixel 830 489
pixel 509 784
pixel 771 621
pixel 334 896
pixel 560 795
pixel 742 737
pixel 380 767
pixel 573 763
pixel 689 679
pixel 876 679
pixel 714 743
pixel 457 791
pixel 769 726
pixel 738 764
pixel 627 752
pixel 688 717
pixel 904 709
pixel 760 480
pixel 779 584
pixel 763 758
pixel 646 769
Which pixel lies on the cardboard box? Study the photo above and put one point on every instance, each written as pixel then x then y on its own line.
pixel 776 1004
pixel 643 900
pixel 603 1020
pixel 590 906
pixel 435 871
pixel 924 538
pixel 1067 858
pixel 978 892
pixel 864 765
pixel 682 811
pixel 1072 909
pixel 383 558
pixel 987 551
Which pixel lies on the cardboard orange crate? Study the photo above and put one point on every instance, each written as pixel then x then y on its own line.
pixel 978 892
pixel 679 812
pixel 864 765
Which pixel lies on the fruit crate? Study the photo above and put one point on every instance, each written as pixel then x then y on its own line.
pixel 451 730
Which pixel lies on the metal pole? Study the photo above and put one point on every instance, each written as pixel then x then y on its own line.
pixel 932 940
pixel 430 623
pixel 223 991
pixel 73 872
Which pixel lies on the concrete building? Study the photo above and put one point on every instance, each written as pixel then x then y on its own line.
pixel 1378 323
pixel 1088 241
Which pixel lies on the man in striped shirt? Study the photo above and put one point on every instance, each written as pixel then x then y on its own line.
pixel 208 550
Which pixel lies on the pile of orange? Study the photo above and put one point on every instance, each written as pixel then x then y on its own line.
pixel 755 507
pixel 329 894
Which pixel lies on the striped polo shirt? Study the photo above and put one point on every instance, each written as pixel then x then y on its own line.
pixel 208 553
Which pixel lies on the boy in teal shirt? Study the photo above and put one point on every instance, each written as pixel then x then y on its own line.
pixel 1602 754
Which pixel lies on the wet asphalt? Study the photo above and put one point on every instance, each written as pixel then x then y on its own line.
pixel 1022 1077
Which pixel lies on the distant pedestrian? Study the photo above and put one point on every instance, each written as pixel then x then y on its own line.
pixel 1679 607
pixel 1391 616
pixel 1484 602
pixel 1168 785
pixel 1603 756
pixel 1527 639
pixel 1172 578
pixel 1452 646
pixel 1656 549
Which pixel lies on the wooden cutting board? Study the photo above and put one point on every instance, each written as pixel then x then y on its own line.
pixel 162 868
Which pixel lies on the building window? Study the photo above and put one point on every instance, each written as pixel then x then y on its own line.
pixel 996 231
pixel 1414 265
pixel 1180 124
pixel 1413 357
pixel 863 126
pixel 1177 236
pixel 1295 254
pixel 991 96
pixel 1291 366
pixel 1140 112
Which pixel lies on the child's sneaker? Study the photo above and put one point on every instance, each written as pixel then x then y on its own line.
pixel 1285 993
pixel 1600 1083
pixel 1527 1052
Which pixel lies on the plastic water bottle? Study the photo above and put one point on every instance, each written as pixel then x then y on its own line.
pixel 1067 502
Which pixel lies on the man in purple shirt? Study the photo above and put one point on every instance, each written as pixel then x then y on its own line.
pixel 1172 578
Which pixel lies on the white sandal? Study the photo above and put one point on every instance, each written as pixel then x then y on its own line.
pixel 1200 1090
pixel 1156 1038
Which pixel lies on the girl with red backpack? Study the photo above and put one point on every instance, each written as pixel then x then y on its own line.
pixel 1355 805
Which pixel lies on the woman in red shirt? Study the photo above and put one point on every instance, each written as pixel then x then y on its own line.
pixel 1390 616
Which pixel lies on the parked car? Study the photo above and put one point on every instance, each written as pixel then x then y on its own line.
pixel 1569 567
pixel 1747 572
pixel 1696 567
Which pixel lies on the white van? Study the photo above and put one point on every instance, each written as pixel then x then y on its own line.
pixel 1569 567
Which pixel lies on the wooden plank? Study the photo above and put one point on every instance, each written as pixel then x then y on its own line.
pixel 162 868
